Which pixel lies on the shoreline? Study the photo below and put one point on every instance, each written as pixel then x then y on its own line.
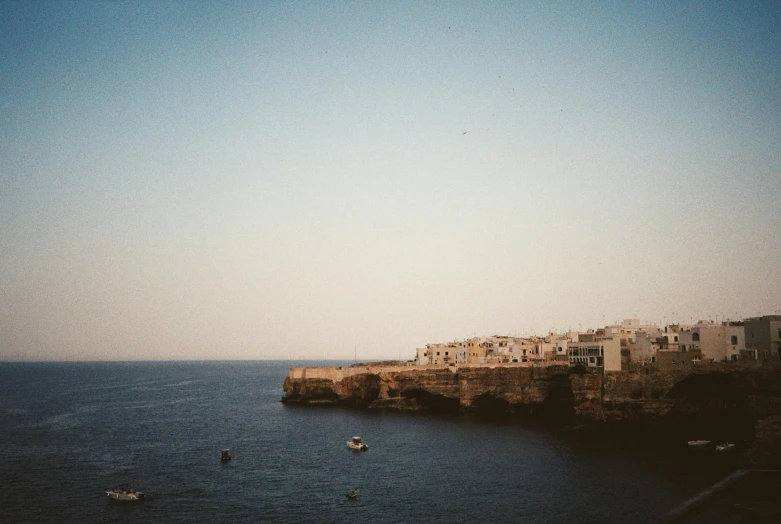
pixel 719 402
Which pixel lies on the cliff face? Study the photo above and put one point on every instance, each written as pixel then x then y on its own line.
pixel 728 402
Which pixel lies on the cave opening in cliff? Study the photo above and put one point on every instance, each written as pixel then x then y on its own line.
pixel 490 405
pixel 559 404
pixel 715 405
pixel 431 401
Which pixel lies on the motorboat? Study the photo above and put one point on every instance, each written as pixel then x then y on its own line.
pixel 357 444
pixel 225 455
pixel 698 443
pixel 725 446
pixel 124 494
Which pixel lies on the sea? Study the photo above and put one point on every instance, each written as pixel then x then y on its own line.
pixel 71 431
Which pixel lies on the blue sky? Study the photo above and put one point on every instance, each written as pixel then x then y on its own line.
pixel 183 180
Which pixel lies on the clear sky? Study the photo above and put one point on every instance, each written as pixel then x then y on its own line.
pixel 263 180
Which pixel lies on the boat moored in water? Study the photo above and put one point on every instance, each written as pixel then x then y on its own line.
pixel 698 443
pixel 225 455
pixel 124 494
pixel 357 444
pixel 725 446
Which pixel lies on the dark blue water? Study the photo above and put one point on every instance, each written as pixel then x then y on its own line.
pixel 70 431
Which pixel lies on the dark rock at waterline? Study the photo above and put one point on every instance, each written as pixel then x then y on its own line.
pixel 721 402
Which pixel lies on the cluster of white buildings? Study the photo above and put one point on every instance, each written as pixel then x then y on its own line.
pixel 616 347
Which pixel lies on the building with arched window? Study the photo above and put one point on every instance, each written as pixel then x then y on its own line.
pixel 716 342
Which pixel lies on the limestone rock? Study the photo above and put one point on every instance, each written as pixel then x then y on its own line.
pixel 719 401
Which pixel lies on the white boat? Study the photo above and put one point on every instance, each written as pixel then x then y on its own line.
pixel 725 446
pixel 124 494
pixel 698 443
pixel 357 444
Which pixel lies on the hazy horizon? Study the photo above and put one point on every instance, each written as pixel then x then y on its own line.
pixel 295 180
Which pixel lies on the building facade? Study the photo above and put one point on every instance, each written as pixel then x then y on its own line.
pixel 716 342
pixel 604 353
pixel 763 334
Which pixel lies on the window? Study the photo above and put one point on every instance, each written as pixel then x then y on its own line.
pixel 734 340
pixel 695 337
pixel 675 338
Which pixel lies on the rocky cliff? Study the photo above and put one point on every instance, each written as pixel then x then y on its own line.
pixel 721 402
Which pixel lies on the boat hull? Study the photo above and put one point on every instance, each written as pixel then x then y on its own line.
pixel 125 496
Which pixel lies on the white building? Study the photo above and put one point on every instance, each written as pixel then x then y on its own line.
pixel 604 353
pixel 717 342
pixel 442 354
pixel 554 347
pixel 645 346
pixel 423 356
pixel 627 329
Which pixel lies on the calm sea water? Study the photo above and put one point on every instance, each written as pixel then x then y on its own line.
pixel 70 431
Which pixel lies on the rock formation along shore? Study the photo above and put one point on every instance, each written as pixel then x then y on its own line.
pixel 716 401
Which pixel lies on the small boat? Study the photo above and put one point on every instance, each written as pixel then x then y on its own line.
pixel 124 494
pixel 225 455
pixel 698 443
pixel 357 444
pixel 725 446
pixel 352 494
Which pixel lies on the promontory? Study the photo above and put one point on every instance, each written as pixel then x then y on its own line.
pixel 738 402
